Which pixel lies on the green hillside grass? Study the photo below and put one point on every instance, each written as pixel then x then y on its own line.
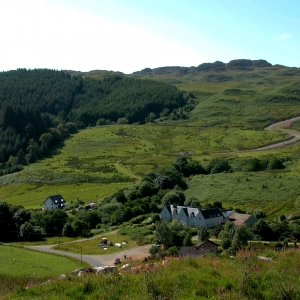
pixel 275 193
pixel 247 99
pixel 99 161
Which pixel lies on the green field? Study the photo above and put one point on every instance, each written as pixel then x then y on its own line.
pixel 21 268
pixel 20 261
pixel 99 161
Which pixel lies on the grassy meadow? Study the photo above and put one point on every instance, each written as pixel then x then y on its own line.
pixel 99 161
pixel 20 267
pixel 17 261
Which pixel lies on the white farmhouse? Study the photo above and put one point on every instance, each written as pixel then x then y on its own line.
pixel 193 216
pixel 54 202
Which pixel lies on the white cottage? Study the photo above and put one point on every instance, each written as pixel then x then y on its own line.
pixel 54 202
pixel 193 216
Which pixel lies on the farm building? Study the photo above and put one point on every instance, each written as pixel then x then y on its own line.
pixel 241 219
pixel 54 202
pixel 193 216
pixel 199 249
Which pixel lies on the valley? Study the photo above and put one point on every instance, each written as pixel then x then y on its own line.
pixel 205 139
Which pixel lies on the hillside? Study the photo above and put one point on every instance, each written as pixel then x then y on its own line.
pixel 40 108
pixel 218 116
pixel 241 93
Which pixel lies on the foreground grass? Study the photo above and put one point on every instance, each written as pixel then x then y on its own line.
pixel 244 277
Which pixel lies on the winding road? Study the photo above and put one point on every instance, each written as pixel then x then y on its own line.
pixel 138 252
pixel 281 126
pixel 294 136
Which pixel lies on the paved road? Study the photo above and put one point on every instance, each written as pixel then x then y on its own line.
pixel 138 252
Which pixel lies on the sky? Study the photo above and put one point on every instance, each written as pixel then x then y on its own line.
pixel 130 35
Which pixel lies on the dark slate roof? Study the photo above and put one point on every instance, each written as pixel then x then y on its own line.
pixel 185 210
pixel 199 249
pixel 168 207
pixel 57 199
pixel 207 243
pixel 211 213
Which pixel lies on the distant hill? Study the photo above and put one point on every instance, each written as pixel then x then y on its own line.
pixel 218 71
pixel 243 93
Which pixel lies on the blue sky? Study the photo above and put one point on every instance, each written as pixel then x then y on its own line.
pixel 130 35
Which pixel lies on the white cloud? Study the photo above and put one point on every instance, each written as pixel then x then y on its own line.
pixel 39 35
pixel 284 36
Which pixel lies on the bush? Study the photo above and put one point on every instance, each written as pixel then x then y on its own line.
pixel 28 232
pixel 275 164
pixel 218 165
pixel 68 230
pixel 172 251
pixel 138 219
pixel 171 198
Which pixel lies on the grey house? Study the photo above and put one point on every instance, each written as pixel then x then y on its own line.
pixel 54 202
pixel 193 216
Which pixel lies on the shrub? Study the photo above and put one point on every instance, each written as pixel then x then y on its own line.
pixel 218 165
pixel 275 164
pixel 172 251
pixel 171 198
pixel 68 230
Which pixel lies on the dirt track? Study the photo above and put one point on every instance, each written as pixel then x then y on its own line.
pixel 294 136
pixel 136 253
pixel 281 126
